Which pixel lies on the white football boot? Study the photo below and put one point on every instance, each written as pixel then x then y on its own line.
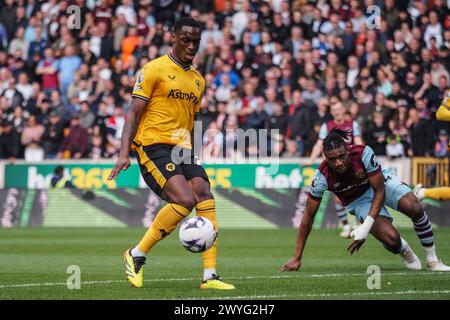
pixel 437 265
pixel 410 259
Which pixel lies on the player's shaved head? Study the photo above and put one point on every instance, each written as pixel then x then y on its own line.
pixel 185 22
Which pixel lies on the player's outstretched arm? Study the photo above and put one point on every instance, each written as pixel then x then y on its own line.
pixel 128 133
pixel 361 233
pixel 312 205
pixel 377 183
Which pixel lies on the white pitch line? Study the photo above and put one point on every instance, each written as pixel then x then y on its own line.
pixel 321 295
pixel 295 276
pixel 237 297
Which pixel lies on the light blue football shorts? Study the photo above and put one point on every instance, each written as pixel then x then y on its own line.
pixel 394 191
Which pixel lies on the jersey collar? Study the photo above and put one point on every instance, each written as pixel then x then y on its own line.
pixel 177 63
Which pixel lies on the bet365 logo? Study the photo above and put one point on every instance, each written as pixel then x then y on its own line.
pixel 374 20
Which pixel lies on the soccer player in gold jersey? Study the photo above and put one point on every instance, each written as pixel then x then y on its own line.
pixel 159 125
pixel 443 112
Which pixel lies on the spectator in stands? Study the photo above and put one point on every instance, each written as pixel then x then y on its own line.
pixel 19 43
pixel 38 45
pixel 421 135
pixel 75 145
pixel 97 148
pixel 10 147
pixel 129 44
pixel 114 126
pixel 7 17
pixel 24 86
pixel 87 118
pixel 32 140
pixel 15 98
pixel 291 150
pixel 377 133
pixel 352 71
pixel 428 91
pixel 18 118
pixel 437 71
pixel 47 68
pixel 43 111
pixel 312 94
pixel 394 147
pixel 327 43
pixel 53 136
pixel 433 29
pixel 257 119
pixel 69 63
pixel 278 120
pixel 441 151
pixel 223 91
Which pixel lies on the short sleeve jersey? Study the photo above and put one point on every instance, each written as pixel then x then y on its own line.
pixel 350 185
pixel 173 93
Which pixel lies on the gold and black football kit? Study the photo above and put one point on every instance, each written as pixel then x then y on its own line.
pixel 174 94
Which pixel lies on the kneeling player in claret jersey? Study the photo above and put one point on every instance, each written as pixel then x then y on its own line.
pixel 364 187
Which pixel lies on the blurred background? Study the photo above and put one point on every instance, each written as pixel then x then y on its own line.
pixel 67 69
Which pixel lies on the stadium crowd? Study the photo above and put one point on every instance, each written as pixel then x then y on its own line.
pixel 66 75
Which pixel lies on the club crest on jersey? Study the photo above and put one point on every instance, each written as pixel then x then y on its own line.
pixel 170 167
pixel 198 85
pixel 360 174
pixel 140 78
pixel 373 161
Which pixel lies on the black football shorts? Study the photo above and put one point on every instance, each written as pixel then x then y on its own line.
pixel 159 162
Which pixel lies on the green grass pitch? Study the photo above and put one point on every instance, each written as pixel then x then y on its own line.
pixel 34 264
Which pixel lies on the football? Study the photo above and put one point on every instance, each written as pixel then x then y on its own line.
pixel 197 234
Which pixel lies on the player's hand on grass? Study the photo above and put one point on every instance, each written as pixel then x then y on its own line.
pixel 121 164
pixel 360 235
pixel 292 265
pixel 356 244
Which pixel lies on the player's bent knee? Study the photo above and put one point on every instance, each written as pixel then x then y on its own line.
pixel 410 206
pixel 392 241
pixel 416 211
pixel 201 191
pixel 204 196
pixel 185 201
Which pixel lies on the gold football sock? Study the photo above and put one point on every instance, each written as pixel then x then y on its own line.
pixel 165 222
pixel 438 193
pixel 207 209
